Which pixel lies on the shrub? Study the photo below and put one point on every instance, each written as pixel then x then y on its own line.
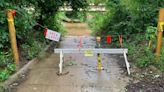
pixel 5 58
pixel 4 75
pixel 145 58
pixel 136 21
pixel 11 67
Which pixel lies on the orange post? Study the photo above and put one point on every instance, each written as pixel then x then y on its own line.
pixel 160 32
pixel 12 33
pixel 120 39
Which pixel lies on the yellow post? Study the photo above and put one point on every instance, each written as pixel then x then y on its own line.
pixel 160 32
pixel 99 63
pixel 12 34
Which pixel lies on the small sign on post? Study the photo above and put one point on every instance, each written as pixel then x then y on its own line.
pixel 52 35
pixel 88 53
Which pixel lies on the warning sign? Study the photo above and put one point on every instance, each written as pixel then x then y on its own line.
pixel 52 35
pixel 88 53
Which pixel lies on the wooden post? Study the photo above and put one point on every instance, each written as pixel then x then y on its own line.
pixel 12 34
pixel 160 32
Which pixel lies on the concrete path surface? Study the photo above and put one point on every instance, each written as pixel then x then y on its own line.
pixel 83 75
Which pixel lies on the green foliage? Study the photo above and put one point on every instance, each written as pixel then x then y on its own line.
pixel 160 63
pixel 145 58
pixel 136 21
pixel 55 23
pixel 150 33
pixel 11 67
pixel 4 39
pixel 96 2
pixel 30 38
pixel 33 51
pixel 131 49
pixel 77 4
pixel 96 20
pixel 139 54
pixel 4 75
pixel 128 16
pixel 31 11
pixel 24 24
pixel 78 15
pixel 5 58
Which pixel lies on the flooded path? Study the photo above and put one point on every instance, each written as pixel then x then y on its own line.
pixel 83 75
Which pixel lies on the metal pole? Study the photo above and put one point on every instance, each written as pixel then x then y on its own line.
pixel 160 32
pixel 12 34
pixel 127 63
pixel 61 63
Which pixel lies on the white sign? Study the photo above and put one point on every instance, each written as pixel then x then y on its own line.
pixel 52 35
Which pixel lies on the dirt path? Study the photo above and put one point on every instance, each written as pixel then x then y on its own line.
pixel 77 29
pixel 82 76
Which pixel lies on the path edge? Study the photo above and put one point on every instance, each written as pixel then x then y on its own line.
pixel 4 85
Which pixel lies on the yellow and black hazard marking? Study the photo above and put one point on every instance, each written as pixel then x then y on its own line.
pixel 99 62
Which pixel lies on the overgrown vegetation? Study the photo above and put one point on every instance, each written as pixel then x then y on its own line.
pixel 31 15
pixel 136 20
pixel 96 2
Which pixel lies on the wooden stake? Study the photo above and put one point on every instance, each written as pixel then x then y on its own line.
pixel 160 32
pixel 12 34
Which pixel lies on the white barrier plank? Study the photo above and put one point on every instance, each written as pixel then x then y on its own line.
pixel 98 50
pixel 109 51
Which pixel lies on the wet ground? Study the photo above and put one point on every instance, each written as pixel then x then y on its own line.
pixel 83 75
pixel 77 29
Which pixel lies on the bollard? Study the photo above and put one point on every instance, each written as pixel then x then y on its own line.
pixel 12 33
pixel 99 62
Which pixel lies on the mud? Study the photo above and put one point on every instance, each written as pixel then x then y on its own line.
pixel 156 85
pixel 149 79
pixel 77 29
